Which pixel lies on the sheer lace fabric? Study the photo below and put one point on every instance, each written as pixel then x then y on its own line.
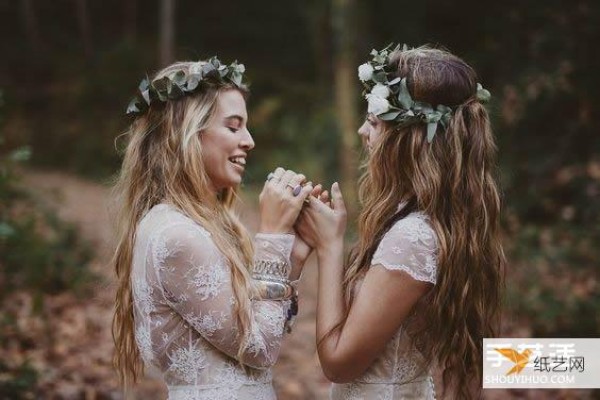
pixel 185 325
pixel 398 373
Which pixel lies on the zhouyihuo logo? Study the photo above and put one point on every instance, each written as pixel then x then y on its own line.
pixel 541 363
pixel 519 359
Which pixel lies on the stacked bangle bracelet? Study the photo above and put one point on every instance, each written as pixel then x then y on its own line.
pixel 271 283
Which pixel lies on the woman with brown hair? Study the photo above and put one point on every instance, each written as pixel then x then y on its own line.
pixel 197 300
pixel 423 283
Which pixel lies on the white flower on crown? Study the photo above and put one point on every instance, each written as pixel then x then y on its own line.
pixel 380 90
pixel 377 105
pixel 365 72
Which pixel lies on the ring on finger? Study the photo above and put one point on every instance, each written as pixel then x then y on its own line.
pixel 295 189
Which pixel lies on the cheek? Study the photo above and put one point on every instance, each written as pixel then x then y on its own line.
pixel 375 133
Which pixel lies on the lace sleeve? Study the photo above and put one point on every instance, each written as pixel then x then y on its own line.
pixel 409 246
pixel 197 283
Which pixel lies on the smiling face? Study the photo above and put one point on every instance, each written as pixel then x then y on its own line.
pixel 370 131
pixel 226 141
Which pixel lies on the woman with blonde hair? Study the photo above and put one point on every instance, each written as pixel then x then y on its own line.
pixel 423 283
pixel 197 300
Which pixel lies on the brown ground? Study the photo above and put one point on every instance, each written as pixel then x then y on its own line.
pixel 75 353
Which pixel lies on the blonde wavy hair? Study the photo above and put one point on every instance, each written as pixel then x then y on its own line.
pixel 163 163
pixel 452 180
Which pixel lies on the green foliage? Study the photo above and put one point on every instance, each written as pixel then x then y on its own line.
pixel 182 83
pixel 17 383
pixel 38 252
pixel 306 140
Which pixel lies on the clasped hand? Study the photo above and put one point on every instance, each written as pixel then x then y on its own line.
pixel 317 219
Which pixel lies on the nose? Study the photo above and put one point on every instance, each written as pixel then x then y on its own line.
pixel 363 130
pixel 247 142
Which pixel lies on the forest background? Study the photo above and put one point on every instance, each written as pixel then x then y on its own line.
pixel 69 68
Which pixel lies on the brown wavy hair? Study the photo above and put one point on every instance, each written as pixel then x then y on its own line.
pixel 163 163
pixel 452 180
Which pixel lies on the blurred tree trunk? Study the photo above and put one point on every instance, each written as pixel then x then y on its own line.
pixel 344 67
pixel 130 20
pixel 85 27
pixel 318 22
pixel 167 32
pixel 31 25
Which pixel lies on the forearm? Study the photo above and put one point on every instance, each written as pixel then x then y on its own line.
pixel 330 303
pixel 297 266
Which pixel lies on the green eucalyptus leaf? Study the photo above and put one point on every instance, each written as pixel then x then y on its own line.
pixel 223 71
pixel 214 61
pixel 484 95
pixel 422 107
pixel 240 68
pixel 178 78
pixel 133 107
pixel 446 119
pixel 433 116
pixel 380 58
pixel 161 86
pixel 389 116
pixel 236 78
pixel 379 77
pixel 209 70
pixel 146 96
pixel 431 129
pixel 144 84
pixel 174 92
pixel 404 97
pixel 193 81
pixel 443 109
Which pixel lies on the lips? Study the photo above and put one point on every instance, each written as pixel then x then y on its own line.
pixel 238 160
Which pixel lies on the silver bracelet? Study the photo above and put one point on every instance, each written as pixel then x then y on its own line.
pixel 270 290
pixel 271 270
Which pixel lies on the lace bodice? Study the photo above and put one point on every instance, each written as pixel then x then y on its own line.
pixel 409 246
pixel 185 324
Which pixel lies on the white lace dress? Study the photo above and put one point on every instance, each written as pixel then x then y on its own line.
pixel 398 373
pixel 185 324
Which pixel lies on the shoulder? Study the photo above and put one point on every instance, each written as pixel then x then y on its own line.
pixel 416 229
pixel 166 219
pixel 168 231
pixel 410 245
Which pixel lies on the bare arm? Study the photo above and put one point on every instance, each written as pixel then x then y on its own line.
pixel 385 299
pixel 400 275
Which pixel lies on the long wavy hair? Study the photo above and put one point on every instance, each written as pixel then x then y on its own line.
pixel 163 163
pixel 453 181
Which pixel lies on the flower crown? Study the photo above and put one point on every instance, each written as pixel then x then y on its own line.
pixel 391 100
pixel 180 83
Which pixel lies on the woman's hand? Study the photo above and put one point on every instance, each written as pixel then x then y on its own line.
pixel 321 224
pixel 279 208
pixel 301 250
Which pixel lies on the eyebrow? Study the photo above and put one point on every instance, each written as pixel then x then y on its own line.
pixel 235 116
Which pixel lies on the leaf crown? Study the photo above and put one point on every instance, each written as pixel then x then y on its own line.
pixel 180 83
pixel 390 100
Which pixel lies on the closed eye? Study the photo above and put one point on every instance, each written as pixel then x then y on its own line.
pixel 234 130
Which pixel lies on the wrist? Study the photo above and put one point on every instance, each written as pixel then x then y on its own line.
pixel 275 229
pixel 330 248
